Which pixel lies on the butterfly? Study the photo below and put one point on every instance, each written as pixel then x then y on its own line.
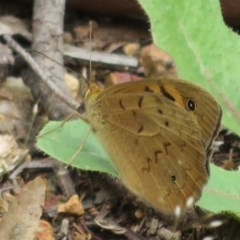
pixel 158 133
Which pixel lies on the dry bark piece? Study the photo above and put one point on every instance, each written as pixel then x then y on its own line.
pixel 11 155
pixel 16 105
pixel 22 220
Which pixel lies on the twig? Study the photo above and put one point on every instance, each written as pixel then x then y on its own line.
pixel 114 61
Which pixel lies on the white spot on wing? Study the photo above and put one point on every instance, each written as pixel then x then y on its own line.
pixel 190 202
pixel 178 211
pixel 215 223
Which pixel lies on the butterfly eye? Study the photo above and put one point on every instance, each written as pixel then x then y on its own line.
pixel 191 105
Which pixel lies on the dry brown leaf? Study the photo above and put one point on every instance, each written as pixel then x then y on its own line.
pixel 156 62
pixel 131 49
pixel 45 231
pixel 72 84
pixel 22 220
pixel 228 164
pixel 73 206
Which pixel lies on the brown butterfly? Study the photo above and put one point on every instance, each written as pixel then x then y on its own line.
pixel 158 133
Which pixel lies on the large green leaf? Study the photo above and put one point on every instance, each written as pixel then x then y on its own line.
pixel 205 50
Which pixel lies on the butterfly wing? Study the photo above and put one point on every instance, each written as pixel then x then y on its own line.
pixel 154 142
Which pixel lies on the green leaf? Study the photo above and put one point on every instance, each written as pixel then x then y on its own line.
pixel 205 50
pixel 222 192
pixel 63 140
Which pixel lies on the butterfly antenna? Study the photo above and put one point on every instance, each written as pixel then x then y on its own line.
pixel 53 60
pixel 90 39
pixel 84 85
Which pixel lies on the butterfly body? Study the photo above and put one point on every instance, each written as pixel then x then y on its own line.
pixel 158 133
